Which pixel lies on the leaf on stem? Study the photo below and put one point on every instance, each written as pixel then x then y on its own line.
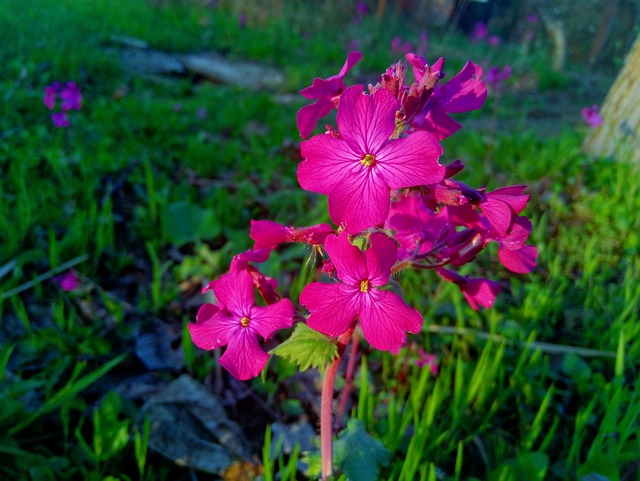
pixel 307 348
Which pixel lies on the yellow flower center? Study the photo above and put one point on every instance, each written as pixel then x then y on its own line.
pixel 364 285
pixel 244 321
pixel 368 160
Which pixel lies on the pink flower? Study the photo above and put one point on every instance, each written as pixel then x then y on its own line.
pixel 71 100
pixel 493 40
pixel 591 115
pixel 480 31
pixel 502 206
pixel 514 254
pixel 60 120
pixel 496 76
pixel 71 97
pixel 477 292
pixel 67 281
pixel 269 234
pixel 327 91
pixel 236 322
pixel 464 92
pixel 425 359
pixel 334 308
pixel 51 95
pixel 242 262
pixel 358 168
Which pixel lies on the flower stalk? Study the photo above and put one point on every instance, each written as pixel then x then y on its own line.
pixel 326 407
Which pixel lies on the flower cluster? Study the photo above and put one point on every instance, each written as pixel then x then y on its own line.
pixel 70 97
pixel 395 206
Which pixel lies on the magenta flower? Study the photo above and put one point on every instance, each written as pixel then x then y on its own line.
pixel 236 322
pixel 358 168
pixel 67 281
pixel 327 91
pixel 60 120
pixel 502 206
pixel 591 115
pixel 496 76
pixel 71 100
pixel 51 95
pixel 480 31
pixel 464 92
pixel 71 97
pixel 427 360
pixel 334 308
pixel 477 292
pixel 267 234
pixel 513 253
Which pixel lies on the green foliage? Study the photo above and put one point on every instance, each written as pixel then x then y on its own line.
pixel 530 466
pixel 359 455
pixel 356 455
pixel 307 348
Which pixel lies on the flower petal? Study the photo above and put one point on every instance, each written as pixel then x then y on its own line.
pixel 215 331
pixel 465 91
pixel 380 257
pixel 385 319
pixel 235 292
pixel 328 161
pixel 366 121
pixel 481 292
pixel 521 261
pixel 266 233
pixel 244 358
pixel 411 161
pixel 347 259
pixel 333 307
pixel 308 116
pixel 268 319
pixel 360 202
pixel 438 122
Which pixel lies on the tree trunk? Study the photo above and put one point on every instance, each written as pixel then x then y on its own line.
pixel 619 134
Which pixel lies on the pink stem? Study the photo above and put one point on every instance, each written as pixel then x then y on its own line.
pixel 348 377
pixel 326 405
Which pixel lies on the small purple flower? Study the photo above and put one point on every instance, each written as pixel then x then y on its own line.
pixel 493 40
pixel 242 20
pixel 532 19
pixel 202 112
pixel 71 97
pixel 430 360
pixel 591 115
pixel 60 120
pixel 496 77
pixel 67 281
pixel 51 95
pixel 479 32
pixel 362 8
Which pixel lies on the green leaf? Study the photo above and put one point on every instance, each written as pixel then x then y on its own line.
pixel 184 222
pixel 110 435
pixel 307 348
pixel 530 466
pixel 358 454
pixel 599 467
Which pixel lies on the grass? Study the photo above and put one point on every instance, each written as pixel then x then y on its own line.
pixel 148 201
